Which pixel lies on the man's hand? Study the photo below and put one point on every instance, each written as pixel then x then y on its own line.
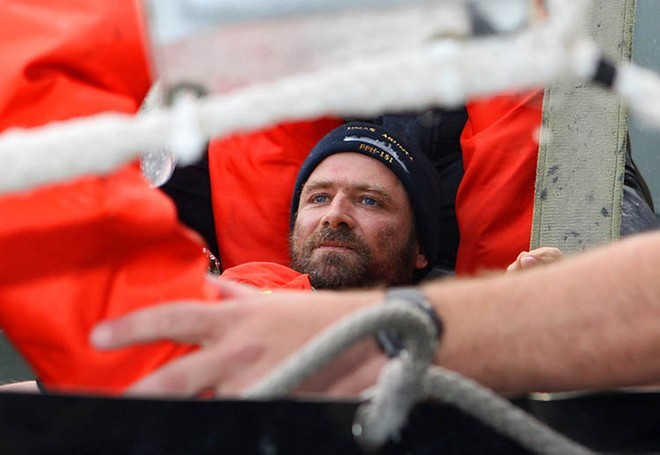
pixel 527 259
pixel 242 339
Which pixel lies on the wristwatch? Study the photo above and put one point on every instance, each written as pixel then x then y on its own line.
pixel 390 340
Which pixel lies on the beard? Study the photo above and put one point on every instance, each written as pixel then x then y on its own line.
pixel 355 267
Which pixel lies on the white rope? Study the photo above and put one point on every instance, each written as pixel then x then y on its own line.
pixel 640 88
pixel 498 413
pixel 330 343
pixel 443 73
pixel 408 380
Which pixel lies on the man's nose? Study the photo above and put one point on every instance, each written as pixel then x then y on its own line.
pixel 339 212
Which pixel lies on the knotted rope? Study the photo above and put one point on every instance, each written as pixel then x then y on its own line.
pixel 407 380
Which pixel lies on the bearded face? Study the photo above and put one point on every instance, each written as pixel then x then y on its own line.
pixel 340 259
pixel 354 226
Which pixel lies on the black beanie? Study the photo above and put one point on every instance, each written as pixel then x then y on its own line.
pixel 412 168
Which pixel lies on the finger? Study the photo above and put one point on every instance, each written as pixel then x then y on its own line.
pixel 546 255
pixel 183 322
pixel 185 377
pixel 528 260
pixel 231 289
pixel 536 257
pixel 550 254
pixel 516 265
pixel 547 251
pixel 194 373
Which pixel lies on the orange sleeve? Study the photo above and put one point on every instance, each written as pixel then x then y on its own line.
pixel 75 253
pixel 78 253
pixel 252 177
pixel 268 276
pixel 495 199
pixel 70 58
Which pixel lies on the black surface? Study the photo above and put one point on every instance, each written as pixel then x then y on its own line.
pixel 51 424
pixel 190 190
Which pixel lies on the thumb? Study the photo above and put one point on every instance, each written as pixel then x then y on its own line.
pixel 527 260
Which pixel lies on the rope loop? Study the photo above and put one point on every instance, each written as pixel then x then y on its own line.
pixel 407 380
pixel 440 73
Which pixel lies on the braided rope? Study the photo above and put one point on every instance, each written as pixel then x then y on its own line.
pixel 442 73
pixel 408 380
pixel 497 412
pixel 330 343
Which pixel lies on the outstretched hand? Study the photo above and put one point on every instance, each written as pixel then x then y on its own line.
pixel 241 339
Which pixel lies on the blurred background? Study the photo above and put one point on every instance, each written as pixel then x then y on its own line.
pixel 646 52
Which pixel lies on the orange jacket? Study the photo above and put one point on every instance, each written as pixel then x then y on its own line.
pixel 268 276
pixel 495 199
pixel 252 177
pixel 97 247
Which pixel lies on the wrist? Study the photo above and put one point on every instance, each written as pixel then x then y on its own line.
pixel 392 342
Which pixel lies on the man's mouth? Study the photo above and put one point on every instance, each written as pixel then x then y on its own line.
pixel 334 246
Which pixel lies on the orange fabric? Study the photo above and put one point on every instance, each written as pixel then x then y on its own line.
pixel 68 58
pixel 76 253
pixel 268 276
pixel 495 199
pixel 252 177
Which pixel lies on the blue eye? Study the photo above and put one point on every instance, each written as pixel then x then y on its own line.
pixel 366 200
pixel 319 198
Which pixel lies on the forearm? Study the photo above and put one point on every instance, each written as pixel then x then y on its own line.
pixel 591 321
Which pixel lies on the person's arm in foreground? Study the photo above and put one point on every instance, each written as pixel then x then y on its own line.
pixel 589 321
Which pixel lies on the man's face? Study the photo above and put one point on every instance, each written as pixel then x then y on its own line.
pixel 354 226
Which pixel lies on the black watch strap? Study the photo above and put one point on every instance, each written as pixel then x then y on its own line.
pixel 391 341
